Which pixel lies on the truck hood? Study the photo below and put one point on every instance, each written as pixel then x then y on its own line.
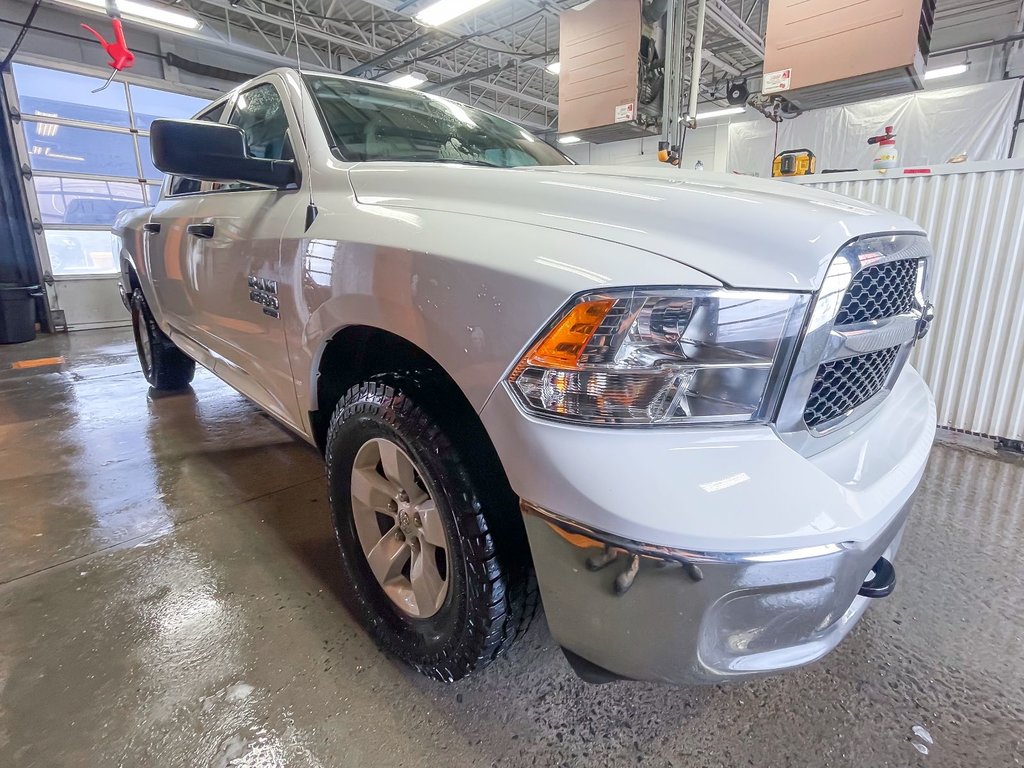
pixel 742 231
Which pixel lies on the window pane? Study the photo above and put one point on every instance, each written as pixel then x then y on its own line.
pixel 150 103
pixel 80 252
pixel 54 147
pixel 149 170
pixel 154 194
pixel 84 201
pixel 61 94
pixel 260 114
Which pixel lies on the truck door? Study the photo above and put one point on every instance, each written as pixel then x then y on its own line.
pixel 235 272
pixel 169 249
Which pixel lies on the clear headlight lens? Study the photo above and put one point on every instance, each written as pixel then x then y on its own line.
pixel 662 356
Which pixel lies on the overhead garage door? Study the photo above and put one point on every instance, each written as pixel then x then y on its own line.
pixel 87 158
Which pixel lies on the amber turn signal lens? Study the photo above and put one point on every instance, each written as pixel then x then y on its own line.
pixel 562 347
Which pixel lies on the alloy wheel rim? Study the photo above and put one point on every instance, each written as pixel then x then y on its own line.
pixel 400 528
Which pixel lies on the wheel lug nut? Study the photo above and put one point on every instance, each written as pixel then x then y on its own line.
pixel 403 497
pixel 418 520
pixel 393 506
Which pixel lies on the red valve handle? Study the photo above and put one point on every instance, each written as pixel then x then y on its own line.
pixel 120 57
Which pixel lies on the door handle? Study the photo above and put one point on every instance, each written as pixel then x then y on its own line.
pixel 151 228
pixel 202 231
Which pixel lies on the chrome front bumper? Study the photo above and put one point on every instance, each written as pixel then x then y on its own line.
pixel 657 613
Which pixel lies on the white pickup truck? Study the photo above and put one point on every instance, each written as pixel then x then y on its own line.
pixel 679 402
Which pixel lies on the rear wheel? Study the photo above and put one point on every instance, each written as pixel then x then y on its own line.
pixel 165 366
pixel 437 569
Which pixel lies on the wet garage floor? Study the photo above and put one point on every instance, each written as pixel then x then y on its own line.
pixel 168 597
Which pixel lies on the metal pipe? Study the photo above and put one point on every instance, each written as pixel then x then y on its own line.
pixel 680 125
pixel 975 46
pixel 698 45
pixel 668 112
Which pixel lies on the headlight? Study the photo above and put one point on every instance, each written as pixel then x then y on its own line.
pixel 662 356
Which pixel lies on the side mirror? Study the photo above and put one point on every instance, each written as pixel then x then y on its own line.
pixel 198 149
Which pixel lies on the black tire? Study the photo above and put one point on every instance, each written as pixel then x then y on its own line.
pixel 165 367
pixel 492 591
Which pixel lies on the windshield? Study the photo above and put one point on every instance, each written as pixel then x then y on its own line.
pixel 372 121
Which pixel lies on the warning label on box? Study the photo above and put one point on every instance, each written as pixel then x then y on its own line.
pixel 777 81
pixel 624 113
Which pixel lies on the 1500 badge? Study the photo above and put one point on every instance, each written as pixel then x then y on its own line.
pixel 264 292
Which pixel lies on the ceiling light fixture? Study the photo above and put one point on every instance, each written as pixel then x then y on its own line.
pixel 444 11
pixel 569 139
pixel 146 13
pixel 410 80
pixel 956 69
pixel 720 112
pixel 554 67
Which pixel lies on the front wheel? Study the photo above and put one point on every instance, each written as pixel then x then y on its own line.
pixel 165 367
pixel 434 571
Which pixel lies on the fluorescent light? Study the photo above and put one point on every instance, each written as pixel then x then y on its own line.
pixel 445 10
pixel 720 112
pixel 569 139
pixel 147 13
pixel 956 69
pixel 410 80
pixel 554 67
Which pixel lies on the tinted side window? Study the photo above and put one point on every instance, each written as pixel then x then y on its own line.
pixel 179 184
pixel 261 116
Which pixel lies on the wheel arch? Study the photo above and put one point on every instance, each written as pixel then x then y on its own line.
pixel 357 353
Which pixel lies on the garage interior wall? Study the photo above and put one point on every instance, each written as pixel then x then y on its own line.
pixel 973 356
pixel 706 143
pixel 931 127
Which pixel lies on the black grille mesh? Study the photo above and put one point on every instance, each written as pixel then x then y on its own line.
pixel 842 385
pixel 880 291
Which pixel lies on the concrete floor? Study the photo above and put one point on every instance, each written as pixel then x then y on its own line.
pixel 168 597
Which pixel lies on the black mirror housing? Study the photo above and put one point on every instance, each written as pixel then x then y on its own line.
pixel 199 149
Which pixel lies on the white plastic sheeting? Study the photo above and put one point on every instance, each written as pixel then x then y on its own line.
pixel 973 356
pixel 931 127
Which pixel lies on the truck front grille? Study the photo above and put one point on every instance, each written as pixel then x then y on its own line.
pixel 880 291
pixel 863 323
pixel 842 385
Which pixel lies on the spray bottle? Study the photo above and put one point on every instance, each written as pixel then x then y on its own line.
pixel 887 156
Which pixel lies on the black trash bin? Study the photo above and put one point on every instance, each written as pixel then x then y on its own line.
pixel 17 313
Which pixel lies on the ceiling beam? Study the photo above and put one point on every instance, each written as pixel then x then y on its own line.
pixel 285 24
pixel 727 19
pixel 719 62
pixel 398 8
pixel 393 53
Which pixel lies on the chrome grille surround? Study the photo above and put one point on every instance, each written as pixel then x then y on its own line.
pixel 813 410
pixel 880 291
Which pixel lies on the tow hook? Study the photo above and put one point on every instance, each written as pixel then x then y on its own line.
pixel 882 583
